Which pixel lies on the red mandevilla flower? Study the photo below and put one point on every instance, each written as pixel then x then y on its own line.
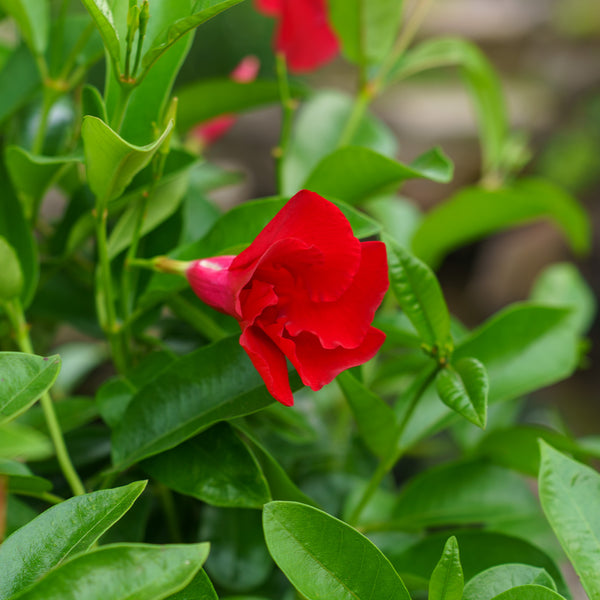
pixel 305 289
pixel 303 33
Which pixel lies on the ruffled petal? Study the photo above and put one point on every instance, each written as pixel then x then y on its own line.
pixel 345 321
pixel 255 299
pixel 270 363
pixel 315 222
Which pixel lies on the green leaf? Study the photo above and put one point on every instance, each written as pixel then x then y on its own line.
pixel 111 161
pixel 21 479
pixel 325 558
pixel 562 284
pixel 354 174
pixel 60 532
pixel 447 581
pixel 463 386
pixel 11 277
pixel 376 420
pixel 317 132
pixel 71 412
pixel 420 297
pixel 529 592
pixel 482 84
pixel 24 443
pixel 215 383
pixel 203 100
pixel 494 581
pixel 367 28
pixel 200 588
pixel 475 212
pixel 399 217
pixel 122 572
pixel 24 378
pixel 461 493
pixel 570 497
pixel 92 103
pixel 168 37
pixel 215 467
pixel 101 12
pixel 33 19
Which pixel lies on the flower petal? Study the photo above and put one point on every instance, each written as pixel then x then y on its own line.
pixel 313 221
pixel 270 363
pixel 345 321
pixel 273 8
pixel 254 299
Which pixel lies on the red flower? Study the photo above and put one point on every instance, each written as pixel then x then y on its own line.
pixel 303 33
pixel 306 289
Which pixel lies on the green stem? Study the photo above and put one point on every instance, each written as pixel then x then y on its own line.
pixel 288 107
pixel 199 320
pixel 47 102
pixel 362 101
pixel 82 40
pixel 387 464
pixel 15 314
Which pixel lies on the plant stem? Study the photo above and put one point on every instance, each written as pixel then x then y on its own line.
pixel 47 102
pixel 82 40
pixel 197 318
pixel 288 107
pixel 21 331
pixel 362 101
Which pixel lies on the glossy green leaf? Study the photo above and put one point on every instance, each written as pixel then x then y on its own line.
pixel 60 532
pixel 239 560
pixel 494 581
pixel 215 383
pixel 33 20
pixel 215 467
pixel 23 379
pixel 475 212
pixel 325 558
pixel 464 386
pixel 20 478
pixel 461 493
pixel 479 550
pixel 570 497
pixel 122 572
pixel 102 14
pixel 367 28
pixel 32 175
pixel 354 174
pixel 24 443
pixel 208 10
pixel 481 81
pixel 11 277
pixel 529 592
pixel 200 588
pixel 562 284
pixel 111 161
pixel 317 133
pixel 419 294
pixel 447 581
pixel 375 419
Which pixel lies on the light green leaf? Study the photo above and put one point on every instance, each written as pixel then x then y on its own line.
pixel 215 467
pixel 420 297
pixel 375 419
pixel 24 378
pixel 475 212
pixel 103 17
pixel 11 277
pixel 447 581
pixel 111 161
pixel 24 443
pixel 570 497
pixel 21 480
pixel 58 533
pixel 325 558
pixel 529 592
pixel 92 103
pixel 463 386
pixel 354 174
pixel 33 19
pixel 122 572
pixel 494 581
pixel 367 28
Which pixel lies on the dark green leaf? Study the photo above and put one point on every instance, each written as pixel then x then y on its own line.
pixel 58 533
pixel 122 572
pixel 21 479
pixel 475 212
pixel 19 79
pixel 92 103
pixel 354 174
pixel 200 588
pixel 23 379
pixel 570 497
pixel 463 386
pixel 11 277
pixel 447 581
pixel 325 558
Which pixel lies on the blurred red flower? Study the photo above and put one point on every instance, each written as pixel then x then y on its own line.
pixel 306 289
pixel 303 32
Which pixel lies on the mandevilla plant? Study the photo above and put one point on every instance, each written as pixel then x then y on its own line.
pixel 156 453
